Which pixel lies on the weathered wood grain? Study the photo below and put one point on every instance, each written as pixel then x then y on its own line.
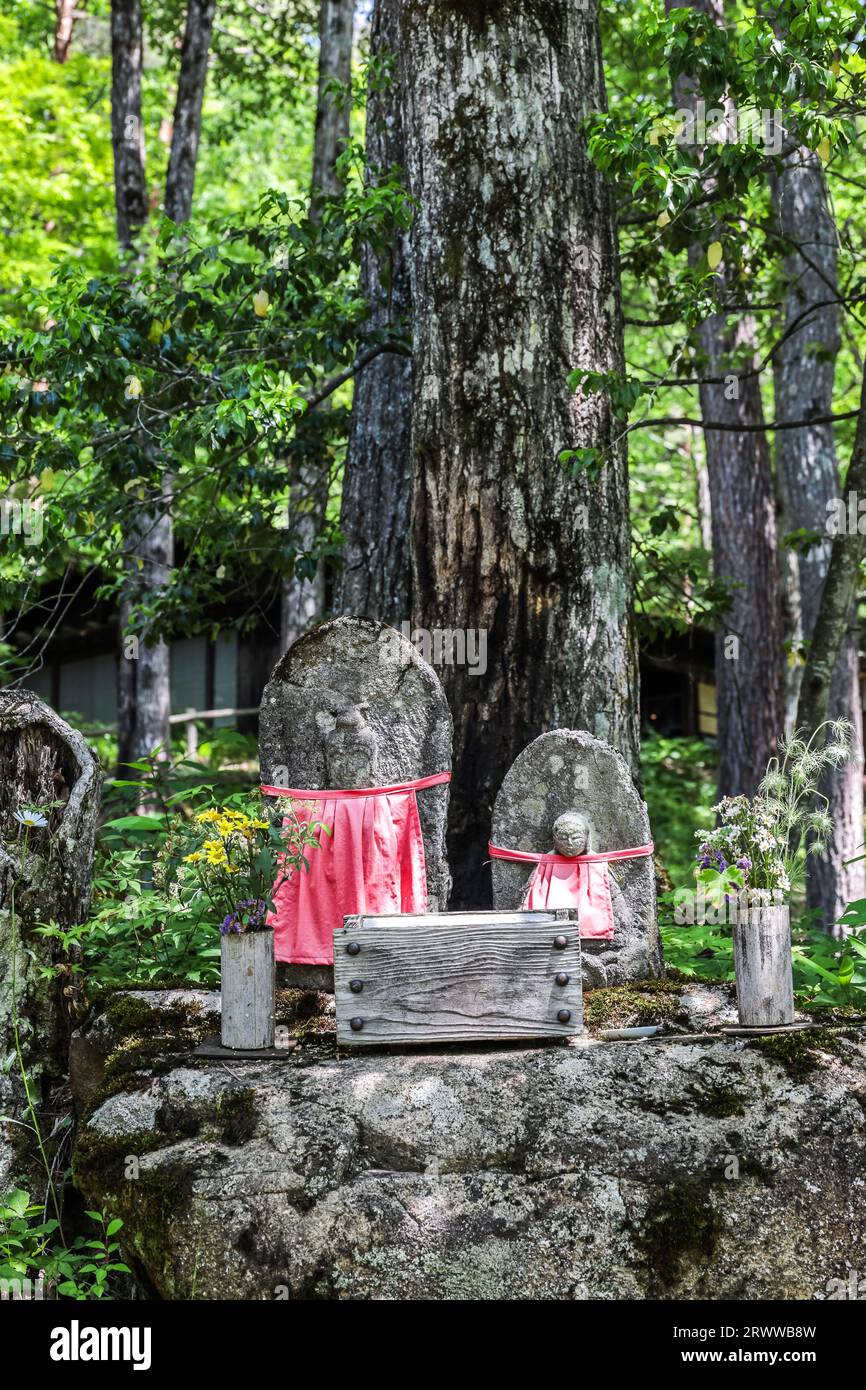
pixel 247 987
pixel 457 977
pixel 762 962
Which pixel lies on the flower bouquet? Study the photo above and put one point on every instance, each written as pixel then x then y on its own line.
pixel 230 861
pixel 755 858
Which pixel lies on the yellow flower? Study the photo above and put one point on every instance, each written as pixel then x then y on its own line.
pixel 194 857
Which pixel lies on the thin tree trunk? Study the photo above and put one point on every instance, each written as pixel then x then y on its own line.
pixel 742 505
pixel 144 685
pixel 64 11
pixel 744 551
pixel 377 482
pixel 838 594
pixel 127 131
pixel 808 476
pixel 303 600
pixel 186 128
pixel 155 549
pixel 333 102
pixel 515 281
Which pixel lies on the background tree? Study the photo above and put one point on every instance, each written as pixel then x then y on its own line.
pixel 808 479
pixel 504 537
pixel 742 501
pixel 375 515
pixel 304 597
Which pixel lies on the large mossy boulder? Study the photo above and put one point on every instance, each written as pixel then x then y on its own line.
pixel 733 1169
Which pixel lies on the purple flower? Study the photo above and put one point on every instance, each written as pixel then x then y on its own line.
pixel 744 863
pixel 249 915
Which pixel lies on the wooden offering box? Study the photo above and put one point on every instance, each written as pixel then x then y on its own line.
pixel 457 977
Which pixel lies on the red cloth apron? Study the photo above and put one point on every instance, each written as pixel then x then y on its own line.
pixel 372 861
pixel 580 881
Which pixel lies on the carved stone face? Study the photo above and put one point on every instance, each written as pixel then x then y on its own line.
pixel 351 750
pixel 571 833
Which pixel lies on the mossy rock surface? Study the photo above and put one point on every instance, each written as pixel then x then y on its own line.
pixel 591 1170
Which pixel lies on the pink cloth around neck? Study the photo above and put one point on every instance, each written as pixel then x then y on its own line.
pixel 581 881
pixel 371 862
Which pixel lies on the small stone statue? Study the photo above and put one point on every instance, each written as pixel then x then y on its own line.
pixel 572 834
pixel 548 853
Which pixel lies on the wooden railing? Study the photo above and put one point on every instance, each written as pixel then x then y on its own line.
pixel 189 717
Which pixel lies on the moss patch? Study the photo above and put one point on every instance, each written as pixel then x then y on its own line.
pixel 717 1099
pixel 799 1052
pixel 635 1005
pixel 680 1224
pixel 237 1113
pixel 305 1012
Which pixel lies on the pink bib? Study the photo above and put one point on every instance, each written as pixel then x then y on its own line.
pixel 372 861
pixel 581 881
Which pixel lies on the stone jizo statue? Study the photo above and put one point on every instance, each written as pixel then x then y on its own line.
pixel 355 730
pixel 569 830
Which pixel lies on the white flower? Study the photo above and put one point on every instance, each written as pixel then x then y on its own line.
pixel 31 819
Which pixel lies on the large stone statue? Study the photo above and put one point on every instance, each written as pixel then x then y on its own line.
pixel 50 786
pixel 570 797
pixel 351 705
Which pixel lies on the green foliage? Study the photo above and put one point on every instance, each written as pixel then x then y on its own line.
pixel 675 194
pixel 55 163
pixel 827 972
pixel 204 373
pixel 679 776
pixel 83 1270
pixel 134 933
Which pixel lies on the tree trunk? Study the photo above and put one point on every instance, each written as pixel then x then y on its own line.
pixel 45 874
pixel 377 482
pixel 744 551
pixel 838 594
pixel 144 687
pixel 127 131
pixel 333 104
pixel 515 281
pixel 808 477
pixel 743 509
pixel 186 129
pixel 154 558
pixel 64 11
pixel 303 600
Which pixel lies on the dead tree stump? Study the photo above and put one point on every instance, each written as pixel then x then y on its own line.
pixel 50 786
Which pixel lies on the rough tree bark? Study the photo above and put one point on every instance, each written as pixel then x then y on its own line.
pixel 743 512
pixel 45 874
pixel 303 600
pixel 333 101
pixel 127 131
pixel 144 689
pixel 130 203
pixel 186 128
pixel 808 478
pixel 837 596
pixel 515 280
pixel 377 481
pixel 64 21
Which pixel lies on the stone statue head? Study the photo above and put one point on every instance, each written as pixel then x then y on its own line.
pixel 351 749
pixel 572 834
